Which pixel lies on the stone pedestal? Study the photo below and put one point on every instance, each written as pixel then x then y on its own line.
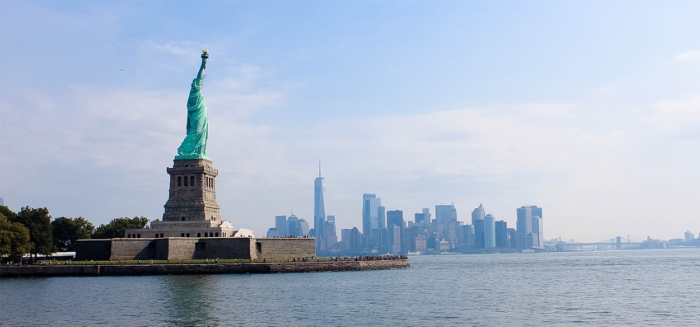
pixel 192 192
pixel 191 209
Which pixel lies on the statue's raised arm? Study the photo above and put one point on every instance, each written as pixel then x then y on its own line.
pixel 194 145
pixel 205 56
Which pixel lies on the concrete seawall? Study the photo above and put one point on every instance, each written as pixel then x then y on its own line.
pixel 194 269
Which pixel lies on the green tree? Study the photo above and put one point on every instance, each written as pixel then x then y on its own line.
pixel 38 222
pixel 68 230
pixel 118 226
pixel 9 214
pixel 14 239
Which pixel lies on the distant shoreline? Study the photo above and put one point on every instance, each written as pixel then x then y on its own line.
pixel 197 269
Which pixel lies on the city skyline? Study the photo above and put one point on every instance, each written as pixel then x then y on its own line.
pixel 588 112
pixel 383 230
pixel 387 232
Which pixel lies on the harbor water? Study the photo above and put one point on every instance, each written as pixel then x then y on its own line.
pixel 607 288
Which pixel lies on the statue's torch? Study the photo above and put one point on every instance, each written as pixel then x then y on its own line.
pixel 205 56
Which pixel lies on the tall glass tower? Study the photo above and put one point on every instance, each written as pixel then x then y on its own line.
pixel 478 213
pixel 373 217
pixel 366 209
pixel 478 216
pixel 319 209
pixel 489 231
pixel 528 235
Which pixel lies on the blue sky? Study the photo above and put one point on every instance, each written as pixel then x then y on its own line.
pixel 589 109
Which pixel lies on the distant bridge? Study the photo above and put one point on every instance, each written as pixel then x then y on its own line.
pixel 618 242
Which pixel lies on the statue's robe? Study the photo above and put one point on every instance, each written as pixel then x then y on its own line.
pixel 195 143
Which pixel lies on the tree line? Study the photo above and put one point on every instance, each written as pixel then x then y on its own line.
pixel 33 231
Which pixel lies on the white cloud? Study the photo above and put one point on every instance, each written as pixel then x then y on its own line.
pixel 687 56
pixel 182 48
pixel 241 76
pixel 553 110
pixel 675 116
pixel 490 140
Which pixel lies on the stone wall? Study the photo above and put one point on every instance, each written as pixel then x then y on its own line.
pixel 49 271
pixel 312 266
pixel 187 269
pixel 275 248
pixel 182 248
pixel 93 249
pixel 226 248
pixel 139 249
pixel 177 248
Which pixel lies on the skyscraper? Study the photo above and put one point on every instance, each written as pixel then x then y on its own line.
pixel 345 239
pixel 478 213
pixel 304 227
pixel 331 237
pixel 370 213
pixel 281 225
pixel 420 243
pixel 446 218
pixel 501 234
pixel 468 232
pixel 445 213
pixel 355 240
pixel 395 232
pixel 536 211
pixel 489 231
pixel 478 216
pixel 537 242
pixel 409 239
pixel 537 225
pixel 319 209
pixel 423 218
pixel 394 218
pixel 272 232
pixel 293 227
pixel 479 234
pixel 512 238
pixel 529 235
pixel 524 223
pixel 689 236
pixel 381 218
pixel 366 219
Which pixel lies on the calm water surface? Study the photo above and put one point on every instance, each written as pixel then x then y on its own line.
pixel 614 288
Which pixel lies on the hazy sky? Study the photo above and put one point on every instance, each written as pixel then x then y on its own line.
pixel 589 109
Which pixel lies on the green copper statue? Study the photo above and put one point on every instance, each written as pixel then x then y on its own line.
pixel 194 146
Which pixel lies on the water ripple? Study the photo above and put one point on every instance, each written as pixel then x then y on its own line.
pixel 614 288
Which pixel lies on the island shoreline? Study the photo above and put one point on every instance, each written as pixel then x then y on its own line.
pixel 198 269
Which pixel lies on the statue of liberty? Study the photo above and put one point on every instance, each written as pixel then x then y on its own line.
pixel 194 146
